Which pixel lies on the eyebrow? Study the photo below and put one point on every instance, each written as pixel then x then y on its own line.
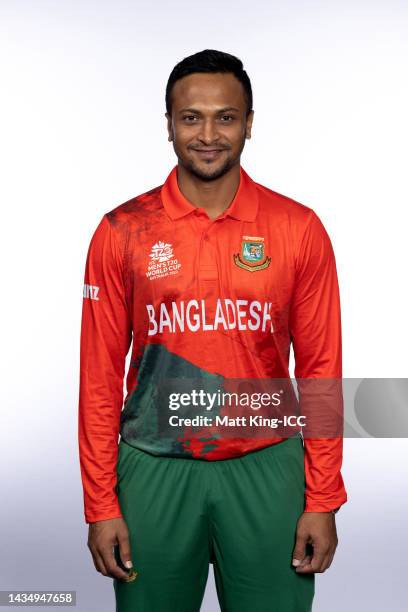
pixel 221 110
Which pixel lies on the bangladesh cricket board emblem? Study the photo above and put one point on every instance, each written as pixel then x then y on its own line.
pixel 252 256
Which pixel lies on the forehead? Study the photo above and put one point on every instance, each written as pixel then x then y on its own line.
pixel 200 90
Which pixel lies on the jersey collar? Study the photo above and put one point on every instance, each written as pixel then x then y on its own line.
pixel 244 206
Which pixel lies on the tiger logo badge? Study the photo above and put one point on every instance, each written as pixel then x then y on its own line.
pixel 252 255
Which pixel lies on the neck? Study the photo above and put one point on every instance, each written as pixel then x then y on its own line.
pixel 213 196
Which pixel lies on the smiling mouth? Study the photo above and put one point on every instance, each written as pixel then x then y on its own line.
pixel 207 150
pixel 208 153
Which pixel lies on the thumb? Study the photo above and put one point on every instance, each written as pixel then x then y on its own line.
pixel 124 550
pixel 300 549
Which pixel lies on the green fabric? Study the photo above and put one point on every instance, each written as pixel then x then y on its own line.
pixel 239 514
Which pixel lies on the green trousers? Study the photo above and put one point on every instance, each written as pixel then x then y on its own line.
pixel 238 514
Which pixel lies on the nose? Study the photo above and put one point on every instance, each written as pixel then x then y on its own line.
pixel 209 132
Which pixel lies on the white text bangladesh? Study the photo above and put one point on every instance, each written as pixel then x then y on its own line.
pixel 176 317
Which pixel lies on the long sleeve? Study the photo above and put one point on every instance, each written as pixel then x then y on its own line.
pixel 315 329
pixel 106 333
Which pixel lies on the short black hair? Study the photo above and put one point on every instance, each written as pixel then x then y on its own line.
pixel 210 60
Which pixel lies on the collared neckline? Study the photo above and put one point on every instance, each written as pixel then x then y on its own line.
pixel 243 207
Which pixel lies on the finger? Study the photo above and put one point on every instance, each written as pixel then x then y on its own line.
pixel 328 560
pixel 320 555
pixel 305 567
pixel 306 561
pixel 95 563
pixel 97 560
pixel 299 552
pixel 325 564
pixel 99 564
pixel 332 553
pixel 125 551
pixel 113 569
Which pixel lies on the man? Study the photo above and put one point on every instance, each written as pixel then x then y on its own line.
pixel 214 275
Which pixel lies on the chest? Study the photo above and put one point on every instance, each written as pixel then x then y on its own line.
pixel 199 258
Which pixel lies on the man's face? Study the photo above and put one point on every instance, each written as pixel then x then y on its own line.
pixel 208 125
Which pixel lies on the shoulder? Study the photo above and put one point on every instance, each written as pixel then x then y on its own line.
pixel 136 210
pixel 291 218
pixel 282 207
pixel 135 215
pixel 296 221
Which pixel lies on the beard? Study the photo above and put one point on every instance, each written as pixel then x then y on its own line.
pixel 209 171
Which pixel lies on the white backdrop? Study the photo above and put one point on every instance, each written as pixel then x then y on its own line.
pixel 83 130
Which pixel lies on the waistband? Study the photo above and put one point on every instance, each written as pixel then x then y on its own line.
pixel 259 451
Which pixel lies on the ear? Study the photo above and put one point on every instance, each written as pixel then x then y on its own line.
pixel 249 121
pixel 169 126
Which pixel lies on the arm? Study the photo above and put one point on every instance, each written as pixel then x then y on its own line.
pixel 106 334
pixel 315 328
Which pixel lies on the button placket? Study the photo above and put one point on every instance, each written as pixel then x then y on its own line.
pixel 199 223
pixel 208 268
pixel 207 260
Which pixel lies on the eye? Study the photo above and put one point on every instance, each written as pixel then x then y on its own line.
pixel 228 117
pixel 189 118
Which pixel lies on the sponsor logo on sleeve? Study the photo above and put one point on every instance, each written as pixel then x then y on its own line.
pixel 91 292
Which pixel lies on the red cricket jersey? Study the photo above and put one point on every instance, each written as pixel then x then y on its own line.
pixel 209 300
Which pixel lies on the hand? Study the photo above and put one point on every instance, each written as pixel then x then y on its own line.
pixel 316 530
pixel 102 537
